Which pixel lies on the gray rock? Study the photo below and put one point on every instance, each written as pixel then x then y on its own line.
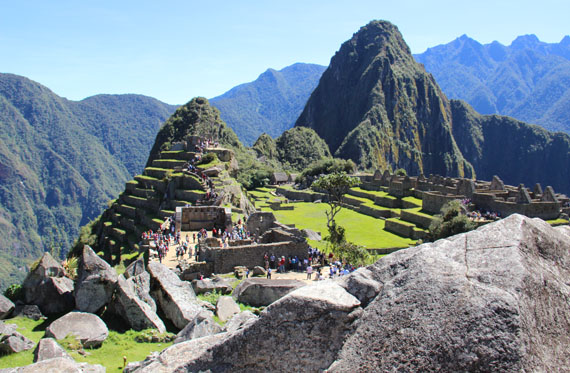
pixel 135 268
pixel 362 285
pixel 176 356
pixel 141 286
pixel 207 285
pixel 7 329
pixel 87 327
pixel 96 281
pixel 226 307
pixel 300 332
pixel 132 309
pixel 15 342
pixel 30 311
pixel 201 326
pixel 46 287
pixel 311 234
pixel 6 307
pixel 175 297
pixel 259 292
pixel 258 271
pixel 48 348
pixel 207 305
pixel 58 364
pixel 239 321
pixel 495 299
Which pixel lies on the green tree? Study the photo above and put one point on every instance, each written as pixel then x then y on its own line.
pixel 336 185
pixel 451 222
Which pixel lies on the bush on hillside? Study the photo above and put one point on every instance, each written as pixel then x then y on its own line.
pixel 15 292
pixel 325 167
pixel 451 222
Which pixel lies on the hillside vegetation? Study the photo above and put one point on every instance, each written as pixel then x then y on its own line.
pixel 61 162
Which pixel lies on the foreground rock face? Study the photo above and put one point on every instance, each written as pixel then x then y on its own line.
pixel 88 328
pixel 47 287
pixel 175 297
pixel 258 292
pixel 495 299
pixel 490 300
pixel 96 281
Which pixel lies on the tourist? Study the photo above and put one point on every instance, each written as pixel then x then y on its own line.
pixel 269 273
pixel 309 272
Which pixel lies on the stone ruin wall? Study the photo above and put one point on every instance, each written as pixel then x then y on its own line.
pixel 194 218
pixel 225 259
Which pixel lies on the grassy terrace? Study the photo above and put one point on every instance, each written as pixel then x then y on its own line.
pixel 374 193
pixel 361 229
pixel 414 200
pixel 367 202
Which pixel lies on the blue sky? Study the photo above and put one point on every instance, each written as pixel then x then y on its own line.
pixel 176 50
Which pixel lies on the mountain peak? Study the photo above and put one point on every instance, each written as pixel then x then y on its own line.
pixel 525 41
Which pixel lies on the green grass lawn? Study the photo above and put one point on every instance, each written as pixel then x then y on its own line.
pixel 110 354
pixel 374 193
pixel 414 200
pixel 361 229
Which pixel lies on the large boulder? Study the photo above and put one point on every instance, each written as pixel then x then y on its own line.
pixel 96 281
pixel 6 307
pixel 48 348
pixel 201 326
pixel 175 297
pixel 87 327
pixel 259 292
pixel 137 314
pixel 14 342
pixel 494 299
pixel 226 307
pixel 47 287
pixel 217 284
pixel 58 364
pixel 302 331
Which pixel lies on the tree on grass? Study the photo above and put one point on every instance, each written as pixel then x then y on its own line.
pixel 336 185
pixel 451 222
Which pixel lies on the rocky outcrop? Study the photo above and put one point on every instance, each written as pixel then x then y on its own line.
pixel 135 268
pixel 58 364
pixel 136 313
pixel 47 287
pixel 6 307
pixel 96 281
pixel 202 325
pixel 48 348
pixel 494 299
pixel 226 307
pixel 258 292
pixel 217 284
pixel 175 297
pixel 87 327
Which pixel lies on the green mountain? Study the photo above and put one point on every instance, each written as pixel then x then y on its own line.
pixel 294 150
pixel 271 103
pixel 528 80
pixel 377 106
pixel 61 161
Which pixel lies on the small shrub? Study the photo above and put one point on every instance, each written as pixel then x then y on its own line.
pixel 401 172
pixel 14 292
pixel 153 336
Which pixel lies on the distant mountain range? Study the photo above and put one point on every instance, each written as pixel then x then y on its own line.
pixel 271 103
pixel 528 80
pixel 61 161
pixel 377 106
